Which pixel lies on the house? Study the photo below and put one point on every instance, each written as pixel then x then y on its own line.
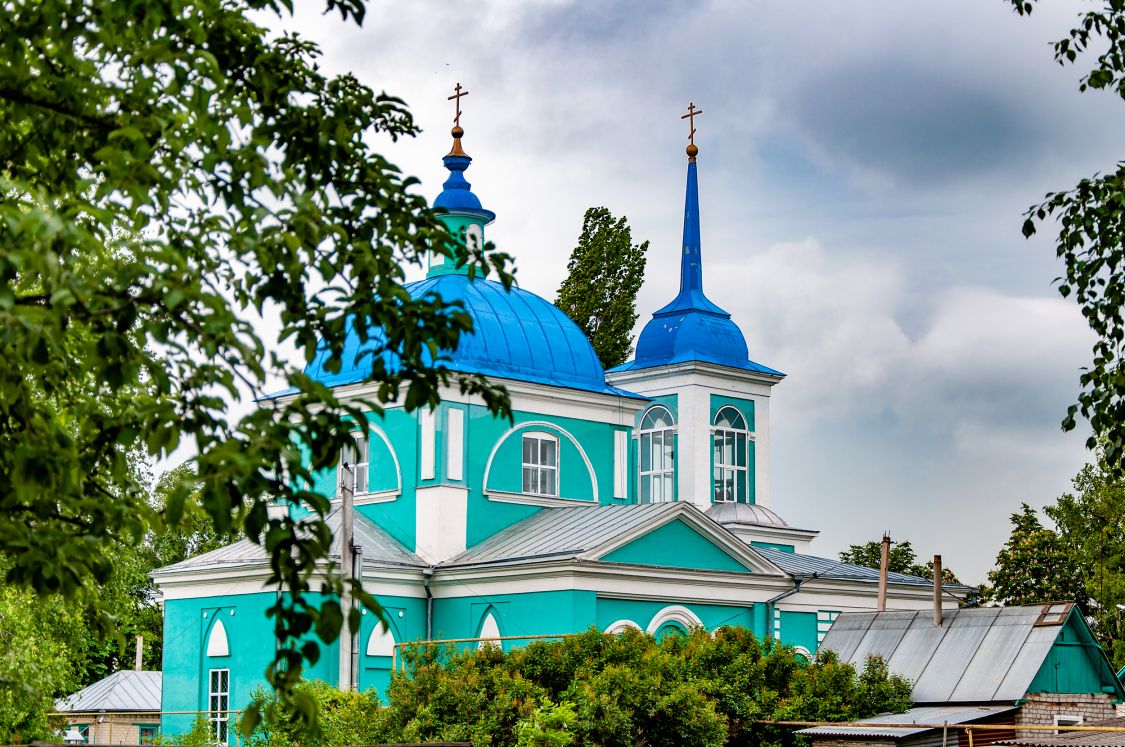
pixel 636 497
pixel 1028 665
pixel 123 708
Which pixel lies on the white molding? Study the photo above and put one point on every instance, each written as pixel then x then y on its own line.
pixel 620 626
pixel 620 464
pixel 427 450
pixel 366 499
pixel 544 501
pixel 674 613
pixel 540 424
pixel 455 444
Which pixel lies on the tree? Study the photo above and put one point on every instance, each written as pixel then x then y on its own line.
pixel 599 293
pixel 171 173
pixel 900 559
pixel 1091 525
pixel 1034 566
pixel 1090 239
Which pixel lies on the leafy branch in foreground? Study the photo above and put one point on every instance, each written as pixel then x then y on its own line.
pixel 170 172
pixel 1091 239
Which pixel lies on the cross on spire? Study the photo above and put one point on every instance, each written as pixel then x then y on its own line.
pixel 457 94
pixel 692 150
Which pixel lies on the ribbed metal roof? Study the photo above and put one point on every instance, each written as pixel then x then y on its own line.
pixel 805 565
pixel 379 549
pixel 1077 738
pixel 977 655
pixel 126 690
pixel 936 715
pixel 563 532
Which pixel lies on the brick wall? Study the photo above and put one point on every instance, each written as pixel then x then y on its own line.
pixel 1041 709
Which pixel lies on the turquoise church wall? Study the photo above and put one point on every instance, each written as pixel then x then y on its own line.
pixel 186 667
pixel 641 612
pixel 799 629
pixel 693 550
pixel 536 613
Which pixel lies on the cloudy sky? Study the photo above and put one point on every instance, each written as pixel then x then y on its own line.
pixel 863 170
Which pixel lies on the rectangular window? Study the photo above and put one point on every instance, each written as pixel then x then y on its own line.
pixel 147 733
pixel 541 464
pixel 355 457
pixel 1067 719
pixel 218 703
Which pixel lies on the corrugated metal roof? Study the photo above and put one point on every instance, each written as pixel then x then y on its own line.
pixel 977 655
pixel 379 549
pixel 126 690
pixel 805 565
pixel 563 532
pixel 936 715
pixel 1077 738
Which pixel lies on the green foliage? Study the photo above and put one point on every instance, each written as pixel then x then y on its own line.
pixel 605 272
pixel 343 718
pixel 900 559
pixel 1091 233
pixel 1091 525
pixel 1034 566
pixel 628 689
pixel 172 171
pixel 41 641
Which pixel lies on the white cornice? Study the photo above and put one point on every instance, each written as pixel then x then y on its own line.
pixel 692 368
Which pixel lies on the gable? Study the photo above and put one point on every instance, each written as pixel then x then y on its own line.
pixel 676 545
pixel 1076 664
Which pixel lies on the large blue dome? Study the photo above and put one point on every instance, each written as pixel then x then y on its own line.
pixel 516 335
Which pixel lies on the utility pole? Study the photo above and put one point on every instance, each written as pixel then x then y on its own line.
pixel 347 570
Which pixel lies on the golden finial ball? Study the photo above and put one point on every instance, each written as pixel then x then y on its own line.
pixel 692 151
pixel 457 131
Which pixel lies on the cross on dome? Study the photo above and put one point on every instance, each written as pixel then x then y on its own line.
pixel 692 149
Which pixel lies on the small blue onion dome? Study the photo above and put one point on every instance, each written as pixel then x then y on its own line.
pixel 691 327
pixel 516 335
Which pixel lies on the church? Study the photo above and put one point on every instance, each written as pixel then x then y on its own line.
pixel 637 497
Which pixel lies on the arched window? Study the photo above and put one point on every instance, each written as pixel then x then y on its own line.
pixel 541 464
pixel 382 641
pixel 217 644
pixel 730 456
pixel 354 462
pixel 658 460
pixel 488 629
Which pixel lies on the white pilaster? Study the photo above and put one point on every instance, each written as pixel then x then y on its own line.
pixel 440 522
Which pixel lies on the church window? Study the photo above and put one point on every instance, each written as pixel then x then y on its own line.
pixel 657 440
pixel 382 641
pixel 489 629
pixel 730 456
pixel 355 458
pixel 540 464
pixel 218 703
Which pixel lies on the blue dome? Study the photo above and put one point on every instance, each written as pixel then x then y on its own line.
pixel 516 335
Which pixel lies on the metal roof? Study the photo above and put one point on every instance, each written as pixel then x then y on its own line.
pixel 1077 738
pixel 126 690
pixel 938 716
pixel 580 531
pixel 563 532
pixel 379 549
pixel 806 565
pixel 977 655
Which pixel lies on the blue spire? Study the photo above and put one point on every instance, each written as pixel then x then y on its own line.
pixel 691 294
pixel 456 194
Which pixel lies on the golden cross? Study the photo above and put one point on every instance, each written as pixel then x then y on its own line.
pixel 690 116
pixel 457 97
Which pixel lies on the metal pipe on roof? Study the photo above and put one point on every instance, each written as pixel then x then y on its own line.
pixel 139 659
pixel 884 561
pixel 937 597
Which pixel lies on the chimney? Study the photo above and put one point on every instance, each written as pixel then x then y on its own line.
pixel 140 652
pixel 884 559
pixel 937 591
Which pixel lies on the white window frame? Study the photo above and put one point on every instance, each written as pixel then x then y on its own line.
pixel 721 469
pixel 218 704
pixel 359 456
pixel 1067 719
pixel 666 474
pixel 540 469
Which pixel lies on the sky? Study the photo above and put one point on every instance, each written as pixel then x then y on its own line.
pixel 863 169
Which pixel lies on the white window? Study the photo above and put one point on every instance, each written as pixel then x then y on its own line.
pixel 540 464
pixel 658 468
pixel 354 463
pixel 730 456
pixel 218 703
pixel 1067 719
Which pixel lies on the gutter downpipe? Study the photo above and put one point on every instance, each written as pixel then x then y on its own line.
pixel 797 581
pixel 427 573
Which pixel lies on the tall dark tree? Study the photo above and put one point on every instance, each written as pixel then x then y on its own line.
pixel 1092 235
pixel 1034 566
pixel 599 293
pixel 171 170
